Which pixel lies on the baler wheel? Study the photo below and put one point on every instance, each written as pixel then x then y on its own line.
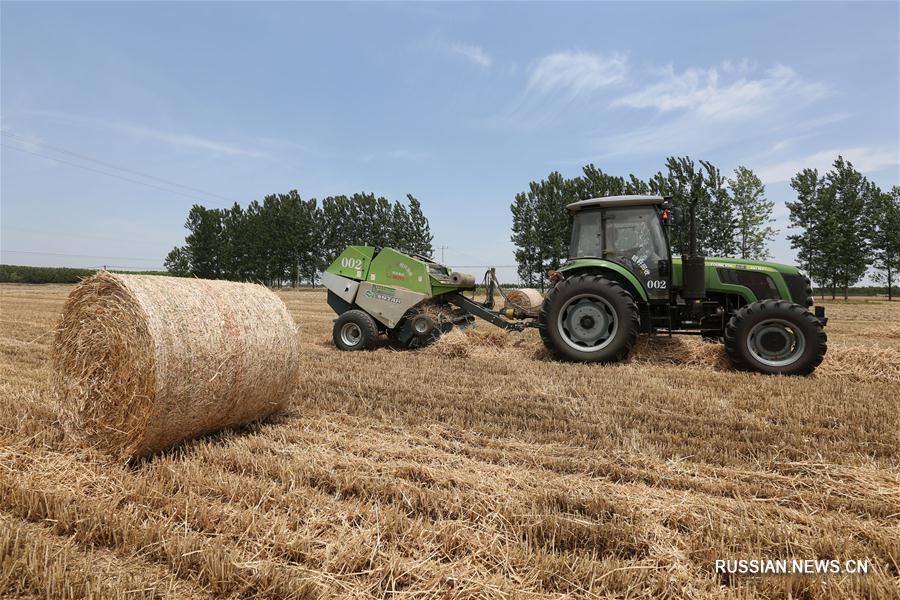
pixel 354 330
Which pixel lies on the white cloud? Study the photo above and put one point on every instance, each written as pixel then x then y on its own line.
pixel 177 139
pixel 702 110
pixel 472 53
pixel 864 159
pixel 709 93
pixel 182 140
pixel 576 73
pixel 558 81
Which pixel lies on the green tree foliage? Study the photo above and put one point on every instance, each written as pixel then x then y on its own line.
pixel 687 182
pixel 718 211
pixel 419 238
pixel 204 241
pixel 851 195
pixel 753 213
pixel 288 240
pixel 884 219
pixel 178 261
pixel 810 216
pixel 541 227
pixel 524 238
pixel 833 214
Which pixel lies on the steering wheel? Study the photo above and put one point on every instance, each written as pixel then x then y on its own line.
pixel 625 252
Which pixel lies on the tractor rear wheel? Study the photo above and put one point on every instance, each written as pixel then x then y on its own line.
pixel 354 330
pixel 589 318
pixel 775 337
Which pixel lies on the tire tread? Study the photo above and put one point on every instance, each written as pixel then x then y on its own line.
pixel 733 343
pixel 597 280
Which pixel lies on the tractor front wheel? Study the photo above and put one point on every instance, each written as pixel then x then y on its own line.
pixel 775 337
pixel 354 330
pixel 589 318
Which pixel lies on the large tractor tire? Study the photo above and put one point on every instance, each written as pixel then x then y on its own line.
pixel 354 330
pixel 775 337
pixel 589 318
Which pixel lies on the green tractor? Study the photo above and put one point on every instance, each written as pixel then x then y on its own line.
pixel 620 280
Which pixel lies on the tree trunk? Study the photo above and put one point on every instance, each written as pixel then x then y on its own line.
pixel 890 292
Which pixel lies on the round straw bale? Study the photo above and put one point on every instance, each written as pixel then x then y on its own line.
pixel 528 300
pixel 144 362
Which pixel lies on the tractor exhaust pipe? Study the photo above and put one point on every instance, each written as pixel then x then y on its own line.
pixel 693 265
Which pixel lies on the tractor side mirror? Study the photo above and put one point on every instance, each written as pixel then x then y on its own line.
pixel 677 215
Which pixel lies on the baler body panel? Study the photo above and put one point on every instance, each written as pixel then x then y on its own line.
pixel 353 262
pixel 386 304
pixel 395 269
pixel 344 287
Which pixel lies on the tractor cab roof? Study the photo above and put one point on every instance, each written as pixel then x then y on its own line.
pixel 611 201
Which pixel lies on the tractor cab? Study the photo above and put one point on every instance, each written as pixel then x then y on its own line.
pixel 629 231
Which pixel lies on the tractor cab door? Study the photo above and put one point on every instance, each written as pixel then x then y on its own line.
pixel 629 235
pixel 633 237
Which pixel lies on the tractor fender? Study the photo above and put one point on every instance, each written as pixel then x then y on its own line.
pixel 608 269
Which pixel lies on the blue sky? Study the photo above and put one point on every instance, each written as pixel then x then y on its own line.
pixel 459 104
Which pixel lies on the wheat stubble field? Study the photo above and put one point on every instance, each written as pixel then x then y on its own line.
pixel 476 468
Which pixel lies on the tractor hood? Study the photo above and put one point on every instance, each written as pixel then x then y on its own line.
pixel 750 265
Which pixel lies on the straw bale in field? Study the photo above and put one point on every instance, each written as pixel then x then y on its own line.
pixel 144 362
pixel 528 300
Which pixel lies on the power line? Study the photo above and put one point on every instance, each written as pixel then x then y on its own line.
pixel 67 234
pixel 485 266
pixel 155 260
pixel 156 187
pixel 24 139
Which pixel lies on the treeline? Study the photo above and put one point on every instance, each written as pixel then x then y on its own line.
pixel 847 225
pixel 26 274
pixel 733 215
pixel 286 240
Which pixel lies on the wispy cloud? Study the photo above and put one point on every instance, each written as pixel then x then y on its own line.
pixel 864 159
pixel 472 53
pixel 707 92
pixel 558 81
pixel 576 73
pixel 179 139
pixel 183 140
pixel 698 110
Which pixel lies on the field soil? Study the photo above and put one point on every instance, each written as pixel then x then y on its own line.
pixel 475 468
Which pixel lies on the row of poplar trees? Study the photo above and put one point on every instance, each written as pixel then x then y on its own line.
pixel 733 215
pixel 844 224
pixel 286 240
pixel 847 225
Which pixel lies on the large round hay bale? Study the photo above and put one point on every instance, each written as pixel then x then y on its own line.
pixel 528 300
pixel 144 362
